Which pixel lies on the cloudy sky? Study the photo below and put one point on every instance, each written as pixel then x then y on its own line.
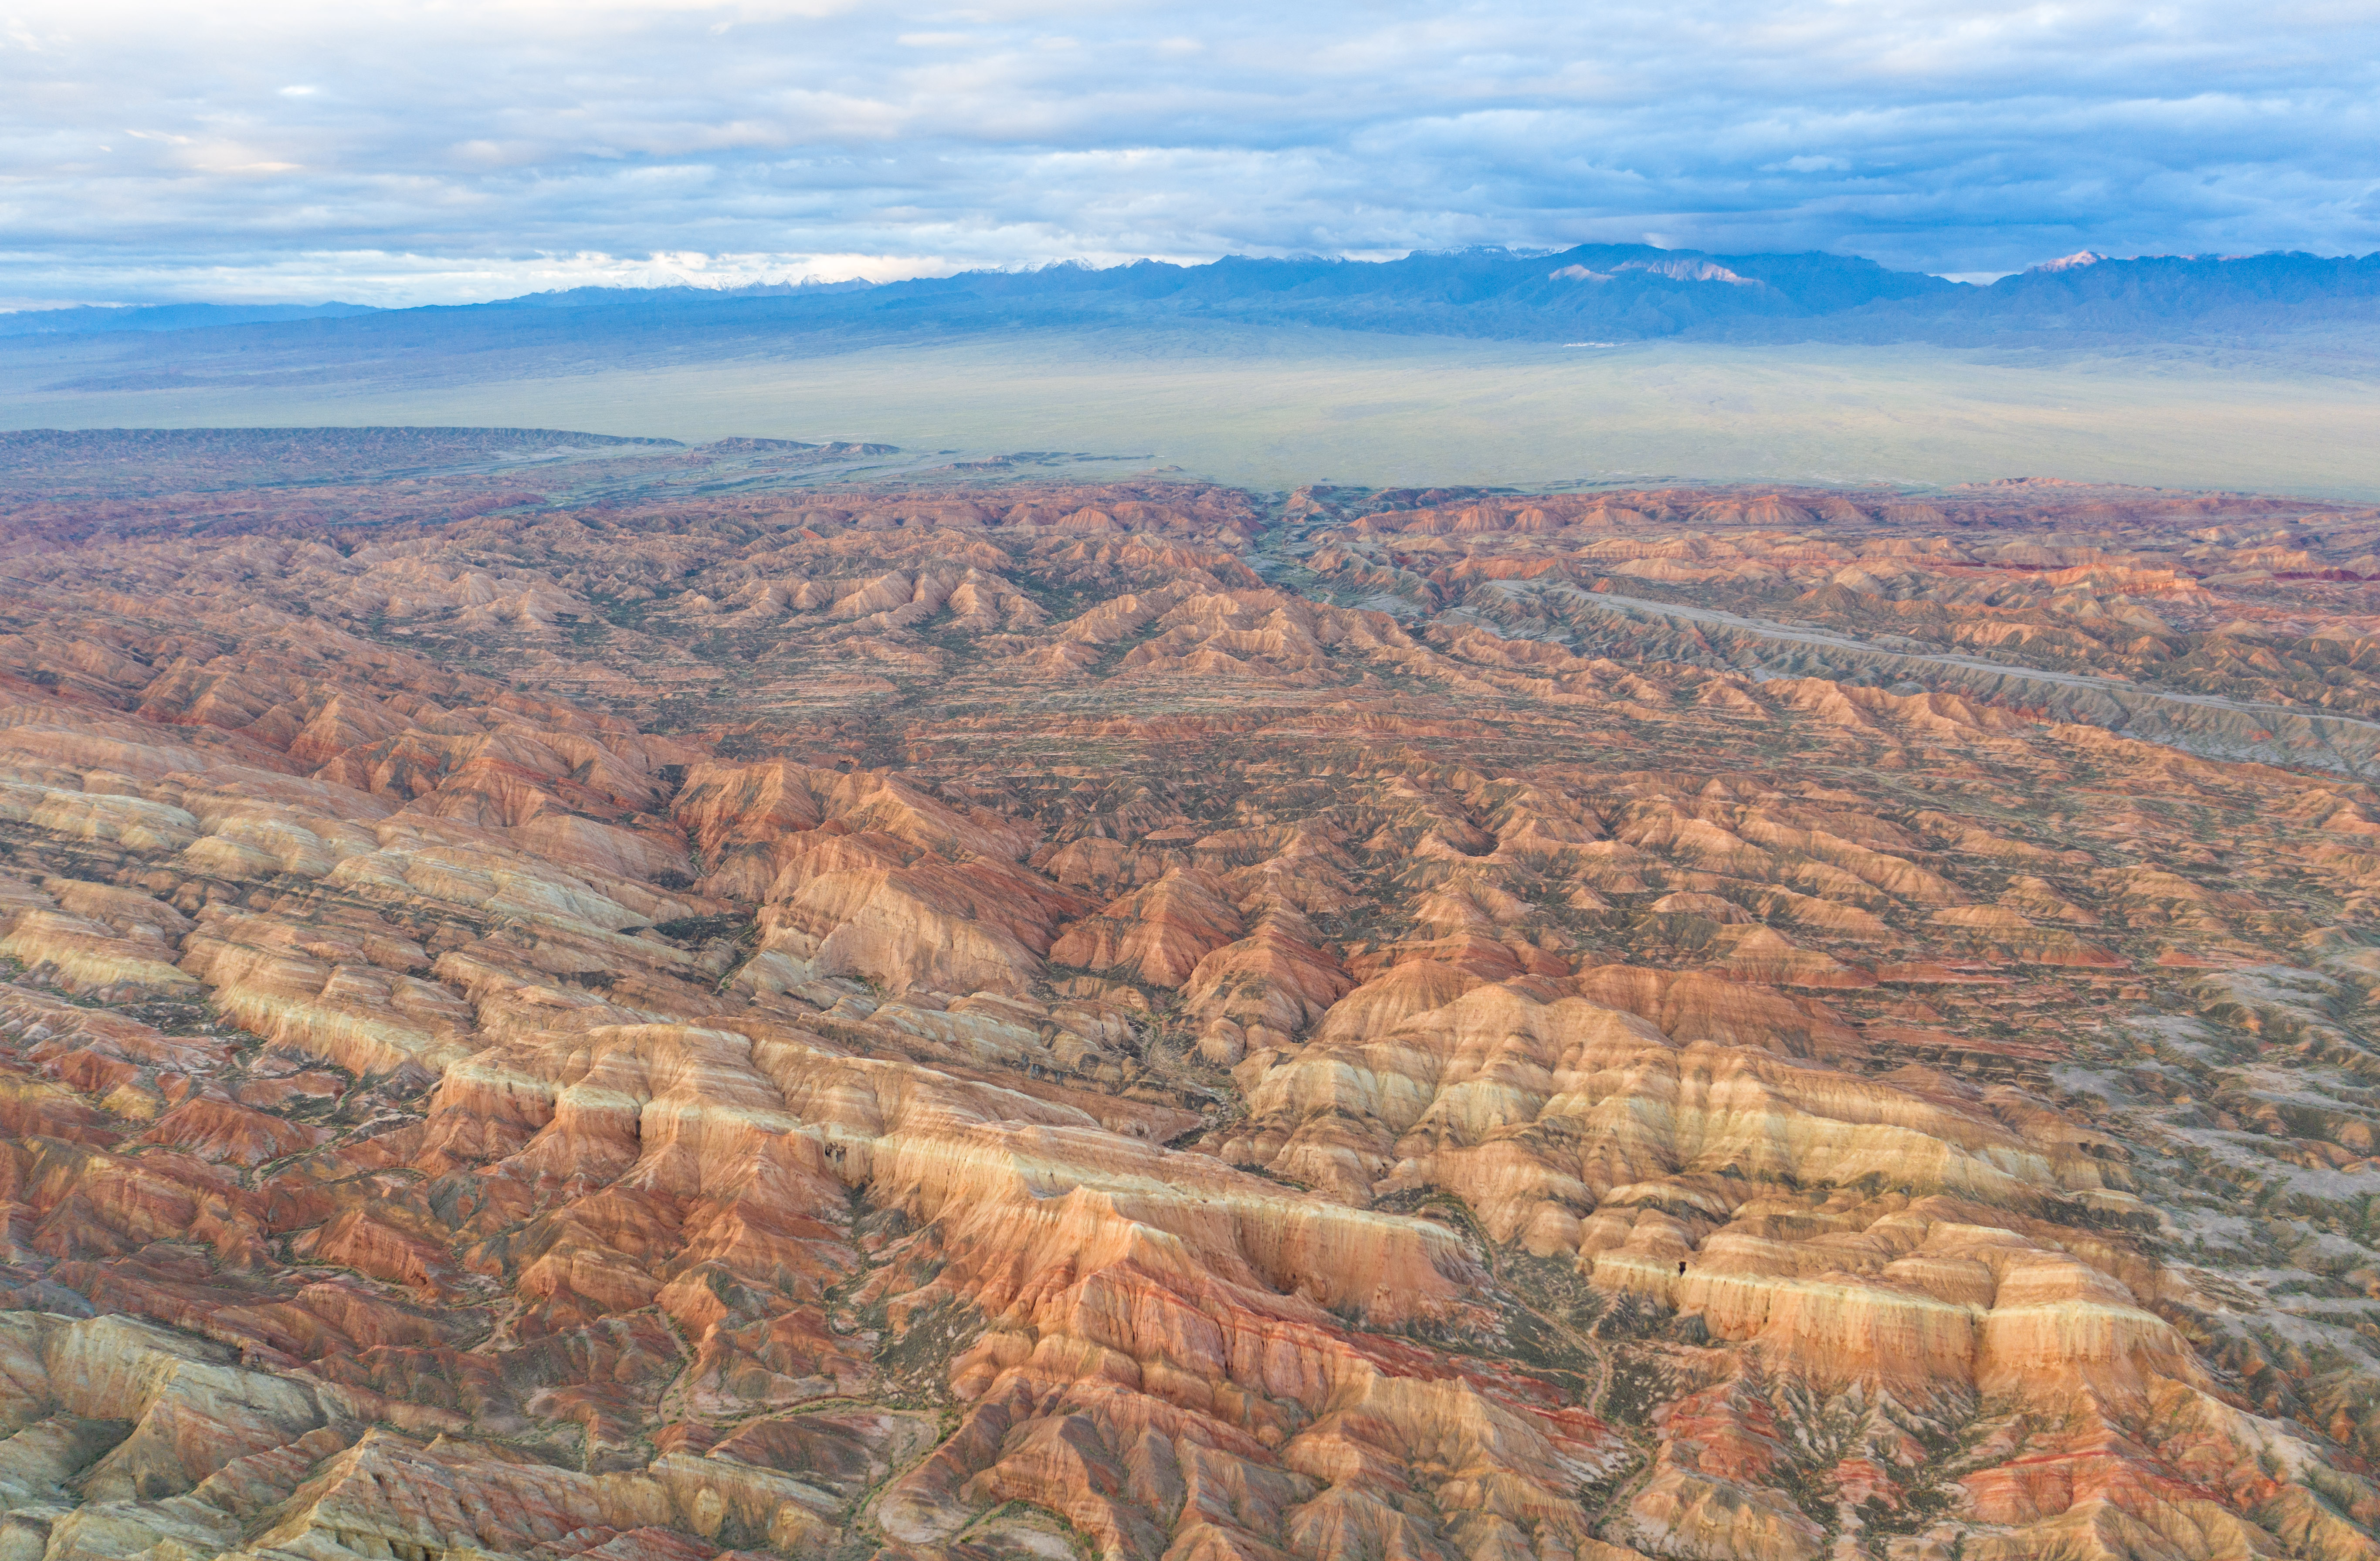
pixel 429 150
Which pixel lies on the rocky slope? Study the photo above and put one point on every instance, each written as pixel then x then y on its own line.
pixel 1136 1020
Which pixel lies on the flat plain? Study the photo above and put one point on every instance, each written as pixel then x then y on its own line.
pixel 1276 409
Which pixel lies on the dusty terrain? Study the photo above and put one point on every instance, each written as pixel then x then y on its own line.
pixel 1272 408
pixel 1007 1019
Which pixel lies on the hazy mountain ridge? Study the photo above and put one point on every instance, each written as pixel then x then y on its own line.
pixel 89 319
pixel 1615 292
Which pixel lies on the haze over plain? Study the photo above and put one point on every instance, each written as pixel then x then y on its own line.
pixel 1274 409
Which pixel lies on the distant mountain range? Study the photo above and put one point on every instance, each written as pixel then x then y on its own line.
pixel 89 319
pixel 1595 292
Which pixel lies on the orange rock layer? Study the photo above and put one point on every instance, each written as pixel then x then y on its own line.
pixel 921 1023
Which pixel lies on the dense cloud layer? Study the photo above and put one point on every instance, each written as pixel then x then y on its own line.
pixel 410 152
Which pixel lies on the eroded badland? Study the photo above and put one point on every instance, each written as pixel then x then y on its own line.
pixel 1138 1019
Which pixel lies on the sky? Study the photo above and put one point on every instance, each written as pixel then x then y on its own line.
pixel 404 151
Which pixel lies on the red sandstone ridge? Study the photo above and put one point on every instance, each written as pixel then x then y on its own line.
pixel 967 1023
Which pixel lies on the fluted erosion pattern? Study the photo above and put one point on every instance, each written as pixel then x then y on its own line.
pixel 1148 1021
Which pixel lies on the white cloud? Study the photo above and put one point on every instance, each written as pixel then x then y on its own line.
pixel 393 150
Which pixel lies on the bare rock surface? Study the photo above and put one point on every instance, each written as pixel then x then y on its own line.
pixel 1140 1021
